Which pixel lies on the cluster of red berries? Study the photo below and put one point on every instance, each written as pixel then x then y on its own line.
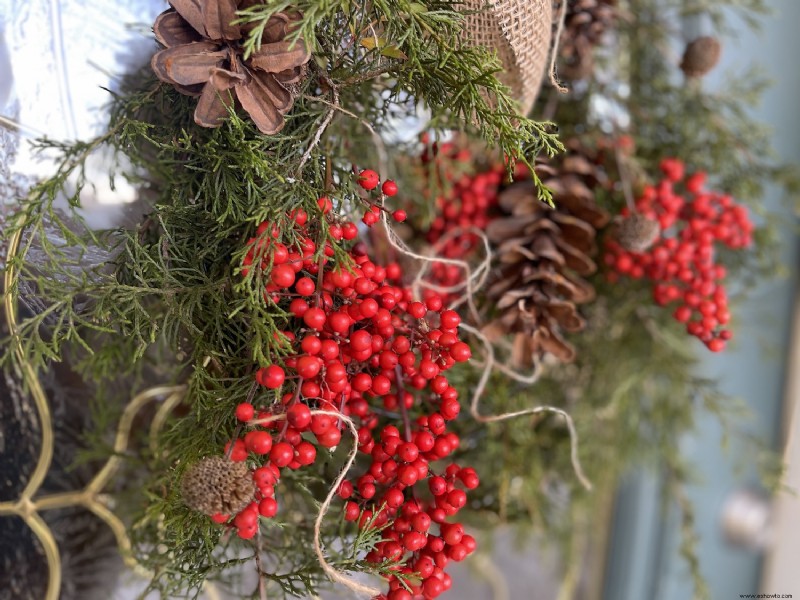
pixel 359 345
pixel 283 263
pixel 469 203
pixel 681 261
pixel 370 180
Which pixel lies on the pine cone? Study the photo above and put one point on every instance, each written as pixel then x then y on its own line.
pixel 701 55
pixel 217 485
pixel 584 25
pixel 203 57
pixel 544 253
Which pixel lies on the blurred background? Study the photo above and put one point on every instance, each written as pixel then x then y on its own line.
pixel 54 65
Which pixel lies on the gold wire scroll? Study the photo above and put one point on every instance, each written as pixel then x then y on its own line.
pixel 28 506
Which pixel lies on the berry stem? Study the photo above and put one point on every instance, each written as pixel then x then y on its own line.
pixel 402 403
pixel 262 587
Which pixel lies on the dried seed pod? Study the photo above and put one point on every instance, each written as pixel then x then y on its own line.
pixel 637 232
pixel 701 55
pixel 217 485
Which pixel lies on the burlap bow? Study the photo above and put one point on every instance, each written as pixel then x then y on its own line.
pixel 520 31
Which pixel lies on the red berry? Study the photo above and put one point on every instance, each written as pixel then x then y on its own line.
pixel 258 442
pixel 247 533
pixel 460 352
pixel 457 552
pixel 449 319
pixel 281 454
pixel 305 286
pixel 414 540
pixel 246 518
pixel 389 188
pixel 308 366
pixel 298 307
pixel 271 377
pixel 339 322
pixel 368 179
pixel 305 453
pixel 437 485
pixel 351 511
pixel 299 416
pixel 268 507
pixel 399 215
pixel 452 533
pixel 314 318
pixel 283 275
pixel 245 412
pixel 345 489
pixel 457 498
pixel 370 218
pixel 349 231
pixel 421 522
pixel 432 587
pixel 265 476
pixel 394 498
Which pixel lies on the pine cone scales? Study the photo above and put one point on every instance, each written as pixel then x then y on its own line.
pixel 203 57
pixel 544 254
pixel 584 25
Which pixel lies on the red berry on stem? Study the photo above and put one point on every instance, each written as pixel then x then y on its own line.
pixel 315 318
pixel 389 188
pixel 460 352
pixel 268 507
pixel 271 377
pixel 308 366
pixel 281 454
pixel 305 286
pixel 351 511
pixel 258 442
pixel 299 416
pixel 368 179
pixel 244 412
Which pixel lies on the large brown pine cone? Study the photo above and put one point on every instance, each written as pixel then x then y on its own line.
pixel 543 255
pixel 203 56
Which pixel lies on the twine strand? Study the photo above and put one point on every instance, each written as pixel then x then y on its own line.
pixel 490 364
pixel 562 17
pixel 333 573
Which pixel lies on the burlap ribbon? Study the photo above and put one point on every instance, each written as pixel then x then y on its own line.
pixel 520 32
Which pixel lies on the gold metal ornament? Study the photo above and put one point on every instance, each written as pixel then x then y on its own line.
pixel 28 506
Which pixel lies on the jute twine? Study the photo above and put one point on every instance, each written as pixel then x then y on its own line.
pixel 520 32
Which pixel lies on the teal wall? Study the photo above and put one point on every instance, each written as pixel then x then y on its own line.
pixel 644 560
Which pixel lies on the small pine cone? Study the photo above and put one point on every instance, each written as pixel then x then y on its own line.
pixel 637 233
pixel 217 485
pixel 701 55
pixel 585 24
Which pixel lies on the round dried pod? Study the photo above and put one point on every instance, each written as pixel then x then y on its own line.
pixel 701 55
pixel 217 485
pixel 637 233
